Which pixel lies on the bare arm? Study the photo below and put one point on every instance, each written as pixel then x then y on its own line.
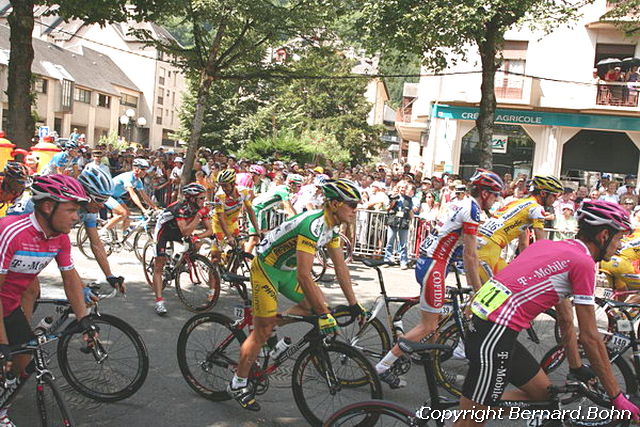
pixel 312 292
pixel 136 199
pixel 148 200
pixel 187 228
pixel 539 233
pixel 73 289
pixel 342 274
pixel 252 217
pixel 568 333
pixel 98 250
pixel 595 348
pixel 471 261
pixel 288 208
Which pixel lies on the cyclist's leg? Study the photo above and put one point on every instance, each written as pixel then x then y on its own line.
pixel 525 373
pixel 18 332
pixel 119 211
pixel 254 239
pixel 158 267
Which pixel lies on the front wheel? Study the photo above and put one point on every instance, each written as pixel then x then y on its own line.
pixel 372 413
pixel 139 241
pixel 319 264
pixel 208 354
pixel 111 370
pixel 53 410
pixel 370 338
pixel 197 282
pixel 328 377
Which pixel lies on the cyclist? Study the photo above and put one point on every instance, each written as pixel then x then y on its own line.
pixel 543 276
pixel 266 202
pixel 283 264
pixel 512 220
pixel 624 265
pixel 15 178
pixel 28 243
pixel 435 252
pixel 228 203
pixel 177 221
pixel 128 183
pixel 64 161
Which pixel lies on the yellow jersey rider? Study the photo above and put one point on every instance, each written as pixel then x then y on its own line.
pixel 13 181
pixel 511 220
pixel 624 265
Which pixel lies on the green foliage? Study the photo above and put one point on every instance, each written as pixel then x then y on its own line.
pixel 113 139
pixel 626 15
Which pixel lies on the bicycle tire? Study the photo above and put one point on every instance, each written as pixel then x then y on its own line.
pixel 371 339
pixel 347 250
pixel 449 370
pixel 54 413
pixel 148 258
pixel 139 243
pixel 319 264
pixel 83 243
pixel 362 385
pixel 369 413
pixel 194 293
pixel 219 349
pixel 104 381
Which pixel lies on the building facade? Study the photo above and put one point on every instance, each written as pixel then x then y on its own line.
pixel 555 114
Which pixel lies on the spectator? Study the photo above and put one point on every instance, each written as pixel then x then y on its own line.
pixel 566 224
pixel 610 194
pixel 581 194
pixel 564 201
pixel 398 220
pixel 629 182
pixel 629 202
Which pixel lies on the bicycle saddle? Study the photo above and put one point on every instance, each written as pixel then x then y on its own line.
pixel 230 277
pixel 373 262
pixel 419 347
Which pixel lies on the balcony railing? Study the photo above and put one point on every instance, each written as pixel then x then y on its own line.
pixel 618 94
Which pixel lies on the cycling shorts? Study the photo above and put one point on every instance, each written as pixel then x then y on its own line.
pixel 491 262
pixel 496 358
pixel 165 236
pixel 430 274
pixel 262 222
pixel 266 282
pixel 626 274
pixel 18 329
pixel 114 202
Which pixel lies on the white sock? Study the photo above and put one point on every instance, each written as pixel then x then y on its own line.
pixel 386 362
pixel 238 382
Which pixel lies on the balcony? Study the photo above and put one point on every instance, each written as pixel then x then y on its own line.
pixel 618 94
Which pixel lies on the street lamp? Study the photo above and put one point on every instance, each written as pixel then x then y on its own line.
pixel 128 119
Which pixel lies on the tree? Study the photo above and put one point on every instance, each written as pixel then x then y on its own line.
pixel 20 123
pixel 626 15
pixel 230 37
pixel 441 31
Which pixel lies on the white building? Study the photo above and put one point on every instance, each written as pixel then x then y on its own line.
pixel 557 119
pixel 81 89
pixel 161 84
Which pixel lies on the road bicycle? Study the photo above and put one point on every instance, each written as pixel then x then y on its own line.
pixel 432 412
pixel 114 367
pixel 195 278
pixel 327 373
pixel 322 261
pixel 133 238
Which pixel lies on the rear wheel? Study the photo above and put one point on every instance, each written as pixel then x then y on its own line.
pixel 370 338
pixel 372 413
pixel 84 244
pixel 319 264
pixel 197 282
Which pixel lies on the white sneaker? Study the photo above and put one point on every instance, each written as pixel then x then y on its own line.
pixel 458 352
pixel 161 310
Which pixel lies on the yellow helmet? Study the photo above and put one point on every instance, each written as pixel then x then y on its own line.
pixel 227 176
pixel 547 183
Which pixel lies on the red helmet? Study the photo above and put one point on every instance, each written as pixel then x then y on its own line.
pixel 59 188
pixel 487 180
pixel 600 212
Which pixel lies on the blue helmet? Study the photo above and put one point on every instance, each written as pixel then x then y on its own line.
pixel 97 183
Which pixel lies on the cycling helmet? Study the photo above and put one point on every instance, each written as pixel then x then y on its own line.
pixel 70 145
pixel 341 189
pixel 295 179
pixel 547 183
pixel 16 171
pixel 193 189
pixel 257 169
pixel 487 180
pixel 59 188
pixel 141 163
pixel 600 212
pixel 227 176
pixel 97 183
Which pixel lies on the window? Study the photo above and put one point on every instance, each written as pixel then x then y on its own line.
pixel 67 94
pixel 82 95
pixel 104 100
pixel 160 100
pixel 159 116
pixel 620 51
pixel 509 79
pixel 160 55
pixel 129 100
pixel 168 93
pixel 40 85
pixel 173 99
pixel 161 81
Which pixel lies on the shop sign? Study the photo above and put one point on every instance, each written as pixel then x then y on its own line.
pixel 544 118
pixel 499 144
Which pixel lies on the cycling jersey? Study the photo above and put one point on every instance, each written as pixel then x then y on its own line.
pixel 25 206
pixel 510 220
pixel 625 265
pixel 232 207
pixel 630 246
pixel 274 269
pixel 265 201
pixel 177 211
pixel 123 182
pixel 535 281
pixel 59 160
pixel 24 252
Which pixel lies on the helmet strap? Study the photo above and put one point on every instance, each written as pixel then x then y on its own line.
pixel 602 249
pixel 50 216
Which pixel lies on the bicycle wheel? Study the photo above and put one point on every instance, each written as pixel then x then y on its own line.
pixel 84 244
pixel 148 259
pixel 194 278
pixel 371 338
pixel 53 410
pixel 139 241
pixel 350 374
pixel 450 367
pixel 319 264
pixel 114 370
pixel 208 353
pixel 543 335
pixel 347 250
pixel 372 413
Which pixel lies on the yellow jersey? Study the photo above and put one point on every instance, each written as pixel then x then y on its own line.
pixel 509 221
pixel 630 246
pixel 231 206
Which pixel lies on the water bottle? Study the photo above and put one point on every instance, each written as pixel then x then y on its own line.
pixel 282 345
pixel 45 324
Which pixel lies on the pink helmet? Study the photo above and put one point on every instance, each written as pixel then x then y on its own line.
pixel 60 188
pixel 257 169
pixel 599 212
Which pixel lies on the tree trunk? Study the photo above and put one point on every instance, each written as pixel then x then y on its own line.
pixel 488 51
pixel 20 125
pixel 196 126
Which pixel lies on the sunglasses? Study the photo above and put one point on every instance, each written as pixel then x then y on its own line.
pixel 352 205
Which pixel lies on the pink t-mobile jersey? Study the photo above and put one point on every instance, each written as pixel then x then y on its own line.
pixel 536 281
